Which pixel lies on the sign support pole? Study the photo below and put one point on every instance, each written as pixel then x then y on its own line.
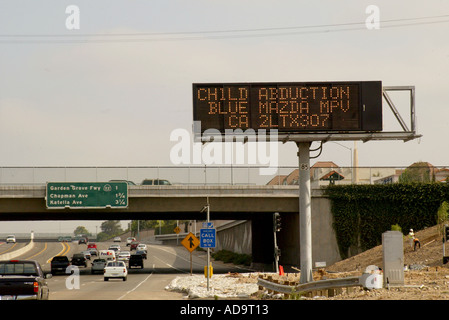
pixel 191 267
pixel 305 212
pixel 208 249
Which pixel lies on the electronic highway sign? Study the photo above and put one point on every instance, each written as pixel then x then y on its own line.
pixel 295 107
pixel 86 195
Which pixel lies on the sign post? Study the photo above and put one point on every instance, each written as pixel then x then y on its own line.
pixel 190 242
pixel 305 213
pixel 206 238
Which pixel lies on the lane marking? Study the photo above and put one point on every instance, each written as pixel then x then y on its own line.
pixel 138 285
pixel 170 265
pixel 64 251
pixel 9 248
pixel 40 252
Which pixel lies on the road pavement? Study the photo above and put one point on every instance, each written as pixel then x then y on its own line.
pixel 164 263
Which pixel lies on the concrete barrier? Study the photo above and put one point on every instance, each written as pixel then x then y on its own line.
pixel 16 253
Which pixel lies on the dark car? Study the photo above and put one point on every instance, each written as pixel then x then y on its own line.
pixel 135 260
pixel 155 182
pixel 79 259
pixel 59 264
pixel 143 253
pixel 23 280
pixel 82 241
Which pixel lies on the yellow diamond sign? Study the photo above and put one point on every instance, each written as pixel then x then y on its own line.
pixel 190 242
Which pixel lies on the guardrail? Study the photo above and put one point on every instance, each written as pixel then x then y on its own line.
pixel 311 286
pixel 321 174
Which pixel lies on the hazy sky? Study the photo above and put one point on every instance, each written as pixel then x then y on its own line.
pixel 111 92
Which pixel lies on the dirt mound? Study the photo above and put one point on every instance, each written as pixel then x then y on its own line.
pixel 430 254
pixel 425 275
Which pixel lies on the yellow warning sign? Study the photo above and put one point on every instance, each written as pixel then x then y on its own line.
pixel 190 242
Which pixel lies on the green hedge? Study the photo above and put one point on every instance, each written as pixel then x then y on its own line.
pixel 231 257
pixel 363 212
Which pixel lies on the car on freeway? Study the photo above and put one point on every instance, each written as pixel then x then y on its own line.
pixel 155 182
pixel 59 263
pixel 129 240
pixel 11 239
pixel 115 269
pixel 92 245
pixel 82 241
pixel 116 248
pixel 143 253
pixel 141 246
pixel 23 280
pixel 93 251
pixel 79 259
pixel 87 254
pixel 134 245
pixel 98 265
pixel 117 239
pixel 124 255
pixel 136 260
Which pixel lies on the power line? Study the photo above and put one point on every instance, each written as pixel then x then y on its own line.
pixel 215 34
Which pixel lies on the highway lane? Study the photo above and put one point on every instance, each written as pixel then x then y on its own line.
pixel 163 264
pixel 9 247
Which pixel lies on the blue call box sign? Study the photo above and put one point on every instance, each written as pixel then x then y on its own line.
pixel 207 238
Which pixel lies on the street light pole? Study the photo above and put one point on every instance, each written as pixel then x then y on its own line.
pixel 352 157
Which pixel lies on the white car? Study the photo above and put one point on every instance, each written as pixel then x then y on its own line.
pixel 11 239
pixel 115 269
pixel 116 248
pixel 129 240
pixel 117 239
pixel 124 256
pixel 142 246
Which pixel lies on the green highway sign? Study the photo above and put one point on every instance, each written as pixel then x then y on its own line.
pixel 81 195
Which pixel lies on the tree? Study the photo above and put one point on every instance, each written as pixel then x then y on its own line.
pixel 418 172
pixel 160 226
pixel 111 227
pixel 80 230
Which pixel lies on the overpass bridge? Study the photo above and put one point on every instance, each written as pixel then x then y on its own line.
pixel 27 202
pixel 229 202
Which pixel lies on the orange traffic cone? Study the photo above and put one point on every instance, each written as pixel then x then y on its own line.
pixel 281 270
